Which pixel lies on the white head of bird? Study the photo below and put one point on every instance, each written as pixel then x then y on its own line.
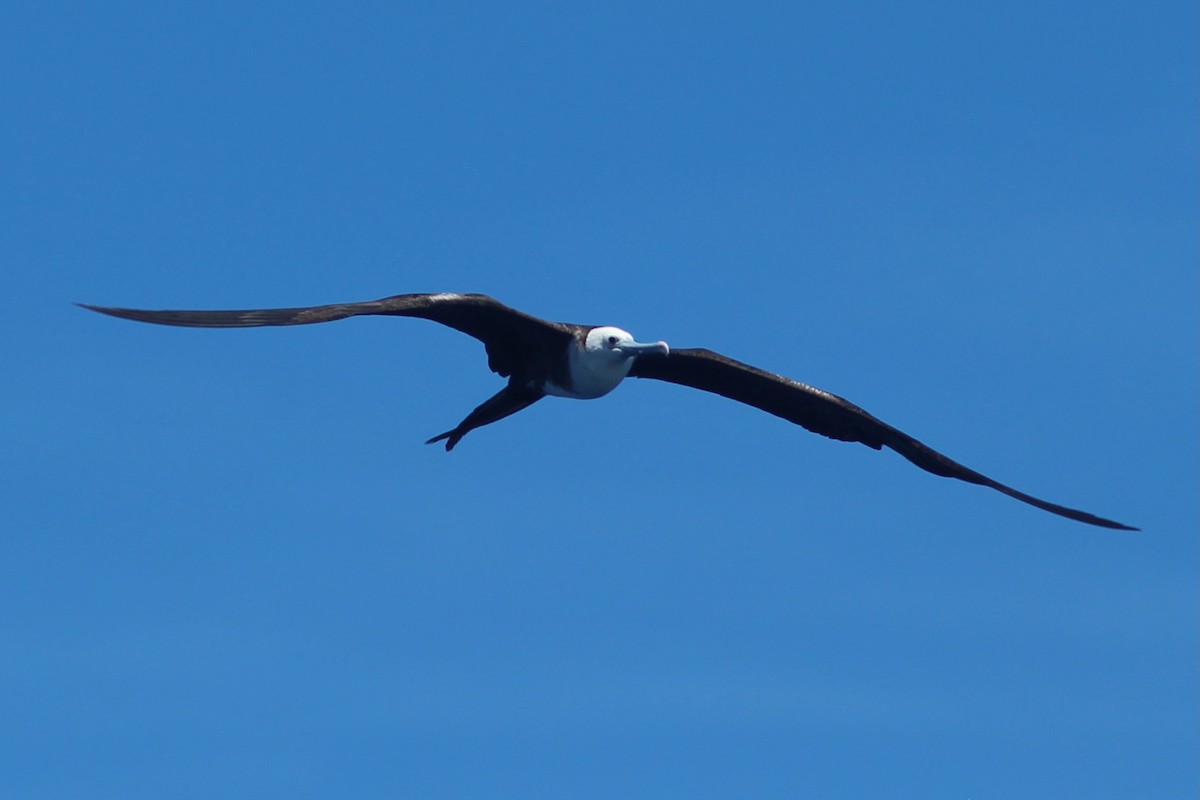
pixel 603 361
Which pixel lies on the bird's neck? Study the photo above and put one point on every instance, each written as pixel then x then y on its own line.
pixel 592 373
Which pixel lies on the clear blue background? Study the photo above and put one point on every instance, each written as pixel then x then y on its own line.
pixel 229 567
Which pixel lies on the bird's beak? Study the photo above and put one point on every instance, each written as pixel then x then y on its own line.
pixel 641 349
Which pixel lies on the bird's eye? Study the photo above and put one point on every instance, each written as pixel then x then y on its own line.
pixel 612 340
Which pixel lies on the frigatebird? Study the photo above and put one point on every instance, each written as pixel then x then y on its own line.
pixel 542 358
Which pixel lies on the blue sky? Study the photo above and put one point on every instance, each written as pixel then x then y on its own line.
pixel 230 568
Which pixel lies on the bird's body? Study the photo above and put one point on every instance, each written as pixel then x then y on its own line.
pixel 541 358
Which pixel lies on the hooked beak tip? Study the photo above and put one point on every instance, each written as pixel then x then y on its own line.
pixel 655 348
pixel 645 349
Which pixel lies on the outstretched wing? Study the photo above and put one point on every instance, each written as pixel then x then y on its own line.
pixel 509 335
pixel 823 413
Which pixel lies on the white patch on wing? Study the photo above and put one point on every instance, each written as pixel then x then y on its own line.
pixel 444 296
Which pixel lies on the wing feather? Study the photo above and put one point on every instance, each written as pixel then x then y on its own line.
pixel 511 336
pixel 823 413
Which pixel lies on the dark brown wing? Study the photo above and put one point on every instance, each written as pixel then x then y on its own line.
pixel 509 335
pixel 823 413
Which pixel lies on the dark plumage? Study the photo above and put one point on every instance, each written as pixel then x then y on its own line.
pixel 540 357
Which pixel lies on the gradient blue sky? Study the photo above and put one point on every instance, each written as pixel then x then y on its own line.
pixel 230 568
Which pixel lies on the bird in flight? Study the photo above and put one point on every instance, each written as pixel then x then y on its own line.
pixel 561 359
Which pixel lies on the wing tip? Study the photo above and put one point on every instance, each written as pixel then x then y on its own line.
pixel 1081 516
pixel 109 310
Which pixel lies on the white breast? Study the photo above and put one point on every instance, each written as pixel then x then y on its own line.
pixel 594 373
